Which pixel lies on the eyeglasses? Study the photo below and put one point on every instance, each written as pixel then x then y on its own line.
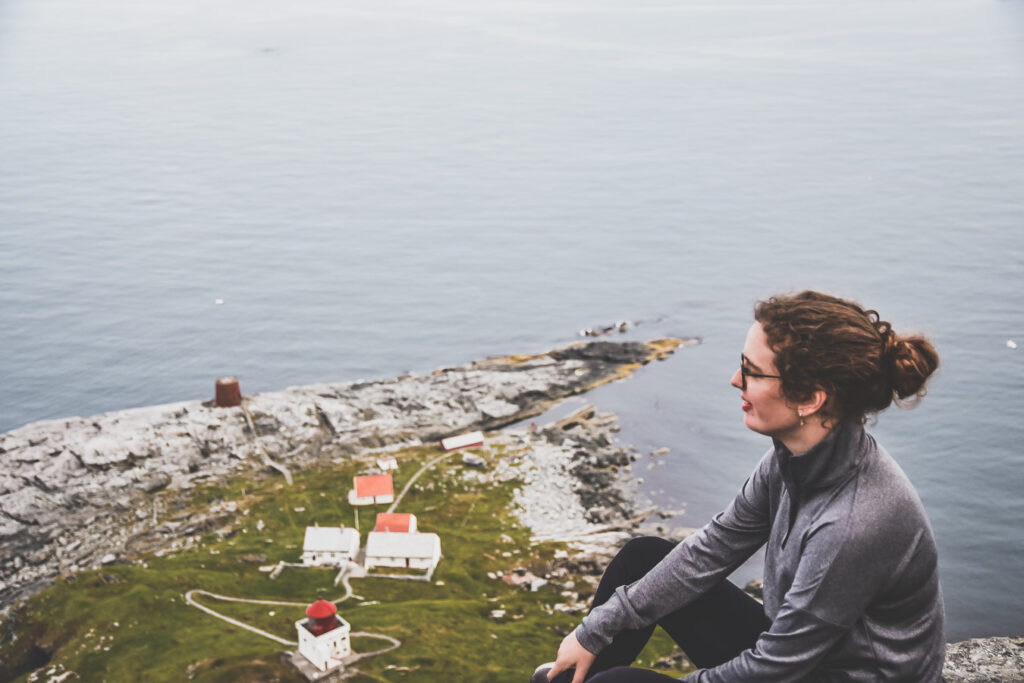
pixel 745 372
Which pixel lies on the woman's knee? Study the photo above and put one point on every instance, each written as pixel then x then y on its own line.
pixel 652 548
pixel 631 563
pixel 640 555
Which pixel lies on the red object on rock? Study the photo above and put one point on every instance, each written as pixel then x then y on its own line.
pixel 227 393
pixel 321 617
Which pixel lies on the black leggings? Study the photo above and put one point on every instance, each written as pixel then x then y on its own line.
pixel 711 630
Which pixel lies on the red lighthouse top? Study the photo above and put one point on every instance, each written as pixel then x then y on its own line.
pixel 321 609
pixel 321 617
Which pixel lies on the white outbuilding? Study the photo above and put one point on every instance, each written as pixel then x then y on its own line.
pixel 329 546
pixel 411 550
pixel 387 463
pixel 467 440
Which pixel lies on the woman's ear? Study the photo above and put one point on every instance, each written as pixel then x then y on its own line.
pixel 814 403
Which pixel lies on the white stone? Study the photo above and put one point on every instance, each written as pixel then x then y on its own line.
pixel 104 450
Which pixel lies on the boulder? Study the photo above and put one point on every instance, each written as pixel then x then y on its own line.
pixel 102 451
pixel 154 481
pixel 472 460
pixel 985 660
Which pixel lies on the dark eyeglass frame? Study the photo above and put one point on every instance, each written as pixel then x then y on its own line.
pixel 746 372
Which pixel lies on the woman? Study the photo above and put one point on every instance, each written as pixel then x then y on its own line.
pixel 851 588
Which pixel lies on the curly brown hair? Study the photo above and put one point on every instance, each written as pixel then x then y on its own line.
pixel 823 342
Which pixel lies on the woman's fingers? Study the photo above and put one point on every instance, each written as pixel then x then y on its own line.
pixel 572 654
pixel 581 671
pixel 558 668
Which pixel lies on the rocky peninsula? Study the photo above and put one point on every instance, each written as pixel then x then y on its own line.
pixel 77 493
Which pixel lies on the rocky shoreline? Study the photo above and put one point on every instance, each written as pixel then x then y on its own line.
pixel 77 493
pixel 576 485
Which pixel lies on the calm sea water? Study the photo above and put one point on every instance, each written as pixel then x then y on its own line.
pixel 371 188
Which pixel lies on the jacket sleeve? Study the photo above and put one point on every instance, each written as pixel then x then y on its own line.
pixel 690 569
pixel 838 575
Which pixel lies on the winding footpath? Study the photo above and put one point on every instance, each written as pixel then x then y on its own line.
pixel 408 485
pixel 190 599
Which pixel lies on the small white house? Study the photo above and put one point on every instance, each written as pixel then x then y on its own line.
pixel 387 463
pixel 413 550
pixel 372 489
pixel 468 440
pixel 324 638
pixel 329 546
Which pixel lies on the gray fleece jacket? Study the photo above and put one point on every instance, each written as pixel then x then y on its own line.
pixel 851 584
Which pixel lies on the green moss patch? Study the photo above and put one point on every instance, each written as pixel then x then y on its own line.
pixel 130 622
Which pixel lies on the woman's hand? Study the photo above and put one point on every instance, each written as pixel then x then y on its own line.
pixel 570 654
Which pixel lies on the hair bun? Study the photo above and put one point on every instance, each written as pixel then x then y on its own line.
pixel 912 360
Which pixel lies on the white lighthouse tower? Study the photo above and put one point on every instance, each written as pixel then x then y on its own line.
pixel 324 636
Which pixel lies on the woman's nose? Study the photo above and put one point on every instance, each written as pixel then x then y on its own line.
pixel 737 380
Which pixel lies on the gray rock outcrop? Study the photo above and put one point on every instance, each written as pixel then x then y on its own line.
pixel 985 660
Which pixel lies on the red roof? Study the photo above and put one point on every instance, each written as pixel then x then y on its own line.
pixel 395 521
pixel 374 485
pixel 321 609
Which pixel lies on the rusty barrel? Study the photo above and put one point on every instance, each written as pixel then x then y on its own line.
pixel 228 394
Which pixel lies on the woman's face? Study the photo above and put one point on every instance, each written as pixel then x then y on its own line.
pixel 765 410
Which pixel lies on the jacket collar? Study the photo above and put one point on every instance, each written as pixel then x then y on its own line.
pixel 831 460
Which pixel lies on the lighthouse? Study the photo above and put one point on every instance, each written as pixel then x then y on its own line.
pixel 324 636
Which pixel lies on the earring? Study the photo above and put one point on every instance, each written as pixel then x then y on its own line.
pixel 800 414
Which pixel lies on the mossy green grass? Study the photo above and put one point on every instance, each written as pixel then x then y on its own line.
pixel 130 622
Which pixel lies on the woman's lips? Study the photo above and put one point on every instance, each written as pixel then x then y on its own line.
pixel 746 405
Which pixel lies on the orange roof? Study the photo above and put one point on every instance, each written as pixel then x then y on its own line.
pixel 395 521
pixel 374 485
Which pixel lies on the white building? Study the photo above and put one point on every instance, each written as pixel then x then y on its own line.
pixel 387 462
pixel 468 440
pixel 412 550
pixel 324 637
pixel 329 546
